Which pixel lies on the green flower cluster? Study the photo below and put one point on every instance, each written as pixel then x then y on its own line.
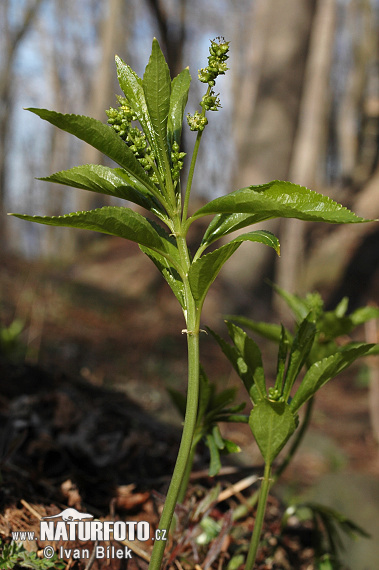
pixel 197 121
pixel 210 102
pixel 216 62
pixel 120 119
pixel 216 66
pixel 176 161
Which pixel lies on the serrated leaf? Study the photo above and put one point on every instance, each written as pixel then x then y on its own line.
pixel 100 136
pixel 157 88
pixel 112 220
pixel 104 180
pixel 279 199
pixel 324 370
pixel 224 224
pixel 169 273
pixel 272 424
pixel 238 363
pixel 251 355
pixel 204 270
pixel 132 86
pixel 178 101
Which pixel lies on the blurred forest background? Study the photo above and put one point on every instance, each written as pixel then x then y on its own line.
pixel 300 103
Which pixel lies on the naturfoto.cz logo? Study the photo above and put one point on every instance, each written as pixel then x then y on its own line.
pixel 76 526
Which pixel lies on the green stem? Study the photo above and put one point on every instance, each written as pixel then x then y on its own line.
pixel 187 473
pixel 299 437
pixel 176 486
pixel 255 539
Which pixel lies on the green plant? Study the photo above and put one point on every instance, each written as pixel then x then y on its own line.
pixel 14 555
pixel 144 140
pixel 274 417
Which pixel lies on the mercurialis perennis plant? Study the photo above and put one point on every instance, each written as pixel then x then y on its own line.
pixel 143 138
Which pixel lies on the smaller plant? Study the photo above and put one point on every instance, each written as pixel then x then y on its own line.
pixel 14 554
pixel 274 417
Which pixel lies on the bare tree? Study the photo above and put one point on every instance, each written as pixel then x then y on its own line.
pixel 11 40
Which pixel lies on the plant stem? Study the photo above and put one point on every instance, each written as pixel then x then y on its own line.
pixel 265 487
pixel 186 474
pixel 188 430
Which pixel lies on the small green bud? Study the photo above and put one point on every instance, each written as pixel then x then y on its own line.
pixel 274 395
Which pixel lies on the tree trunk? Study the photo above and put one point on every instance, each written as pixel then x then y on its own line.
pixel 267 104
pixel 310 141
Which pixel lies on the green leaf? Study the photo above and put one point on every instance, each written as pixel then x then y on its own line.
pixel 364 314
pixel 178 101
pixel 231 447
pixel 169 273
pixel 284 345
pixel 112 220
pixel 272 424
pixel 238 363
pixel 251 355
pixel 156 84
pixel 204 270
pixel 218 437
pixel 224 224
pixel 132 87
pixel 215 462
pixel 324 370
pixel 301 347
pixel 100 136
pixel 104 180
pixel 260 236
pixel 279 199
pixel 271 331
pixel 298 305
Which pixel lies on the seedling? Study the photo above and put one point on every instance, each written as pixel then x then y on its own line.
pixel 144 139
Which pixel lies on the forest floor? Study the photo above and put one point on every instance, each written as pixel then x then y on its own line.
pixel 87 421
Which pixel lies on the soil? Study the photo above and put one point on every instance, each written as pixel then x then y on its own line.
pixel 86 421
